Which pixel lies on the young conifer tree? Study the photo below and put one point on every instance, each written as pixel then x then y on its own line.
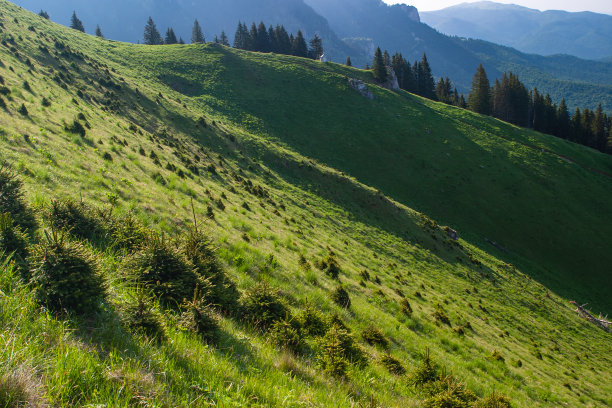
pixel 378 66
pixel 99 32
pixel 197 36
pixel 151 35
pixel 479 99
pixel 170 37
pixel 348 63
pixel 76 24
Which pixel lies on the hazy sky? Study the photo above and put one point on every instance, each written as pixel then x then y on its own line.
pixel 598 6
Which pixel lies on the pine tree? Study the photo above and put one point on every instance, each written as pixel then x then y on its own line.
pixel 609 145
pixel 316 48
pixel 300 49
pixel 479 98
pixel 197 36
pixel 44 14
pixel 284 42
pixel 170 37
pixel 224 40
pixel 599 130
pixel 348 62
pixel 425 80
pixel 563 121
pixel 576 127
pixel 386 58
pixel 151 35
pixel 99 32
pixel 378 66
pixel 75 23
pixel 262 39
pixel 181 41
pixel 241 38
pixel 444 91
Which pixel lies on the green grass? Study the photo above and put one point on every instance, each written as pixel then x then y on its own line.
pixel 340 173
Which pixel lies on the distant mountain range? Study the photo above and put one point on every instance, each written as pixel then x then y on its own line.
pixel 350 28
pixel 585 34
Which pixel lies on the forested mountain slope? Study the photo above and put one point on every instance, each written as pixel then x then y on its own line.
pixel 584 34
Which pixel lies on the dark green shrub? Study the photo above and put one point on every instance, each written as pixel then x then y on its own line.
pixel 330 266
pixel 64 275
pixel 26 86
pixel 45 102
pixel 393 365
pixel 286 335
pixel 107 156
pixel 2 103
pixel 222 293
pixel 198 318
pixel 13 240
pixel 449 393
pixel 406 308
pixel 77 218
pixel 332 353
pixel 312 321
pixel 126 232
pixel 262 306
pixel 493 400
pixel 138 315
pixel 341 297
pixel 426 372
pixel 23 110
pixel 496 356
pixel 440 315
pixel 374 337
pixel 75 127
pixel 162 268
pixel 340 340
pixel 11 200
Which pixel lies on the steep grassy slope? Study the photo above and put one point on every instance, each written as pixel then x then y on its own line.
pixel 319 150
pixel 435 159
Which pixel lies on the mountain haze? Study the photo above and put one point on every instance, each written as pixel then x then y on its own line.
pixel 583 34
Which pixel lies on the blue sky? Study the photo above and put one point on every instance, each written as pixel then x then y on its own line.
pixel 598 6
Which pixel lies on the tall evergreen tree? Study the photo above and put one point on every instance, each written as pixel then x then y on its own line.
pixel 378 66
pixel 170 37
pixel 444 91
pixel 316 48
pixel 284 43
pixel 563 121
pixel 274 46
pixel 386 58
pixel 300 49
pixel 479 98
pixel 44 14
pixel 405 75
pixel 197 36
pixel 576 127
pixel 181 41
pixel 425 80
pixel 224 40
pixel 262 39
pixel 76 24
pixel 151 34
pixel 600 138
pixel 252 43
pixel 99 32
pixel 609 144
pixel 241 38
pixel 348 62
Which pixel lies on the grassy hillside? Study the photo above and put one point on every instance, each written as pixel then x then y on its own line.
pixel 285 165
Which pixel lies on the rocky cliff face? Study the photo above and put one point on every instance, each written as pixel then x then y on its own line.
pixel 410 11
